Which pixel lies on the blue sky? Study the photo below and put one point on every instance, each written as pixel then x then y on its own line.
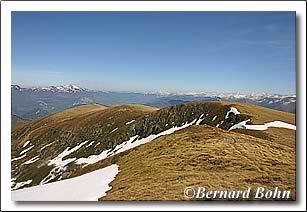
pixel 169 51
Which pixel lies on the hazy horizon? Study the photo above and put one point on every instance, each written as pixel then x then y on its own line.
pixel 154 91
pixel 230 52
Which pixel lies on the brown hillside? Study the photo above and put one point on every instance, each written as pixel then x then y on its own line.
pixel 202 156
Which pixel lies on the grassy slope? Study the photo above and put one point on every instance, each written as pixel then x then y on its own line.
pixel 201 156
pixel 67 129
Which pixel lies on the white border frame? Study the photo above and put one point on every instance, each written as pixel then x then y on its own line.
pixel 7 7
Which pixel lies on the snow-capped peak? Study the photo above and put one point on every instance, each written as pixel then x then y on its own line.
pixel 69 88
pixel 59 88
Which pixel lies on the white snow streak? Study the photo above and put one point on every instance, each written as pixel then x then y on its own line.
pixel 97 144
pixel 279 124
pixel 200 119
pixel 129 144
pixel 25 144
pixel 45 146
pixel 18 158
pixel 114 130
pixel 26 150
pixel 90 144
pixel 129 122
pixel 32 160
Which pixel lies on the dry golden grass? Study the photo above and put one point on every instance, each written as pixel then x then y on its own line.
pixel 283 136
pixel 276 135
pixel 73 112
pixel 44 124
pixel 201 156
pixel 65 115
pixel 142 107
pixel 78 110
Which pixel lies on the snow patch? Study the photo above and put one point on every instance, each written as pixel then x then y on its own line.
pixel 281 124
pixel 240 125
pixel 60 164
pixel 200 119
pixel 87 187
pixel 21 184
pixel 232 110
pixel 278 124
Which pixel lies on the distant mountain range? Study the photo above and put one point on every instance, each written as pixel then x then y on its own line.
pixel 32 103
